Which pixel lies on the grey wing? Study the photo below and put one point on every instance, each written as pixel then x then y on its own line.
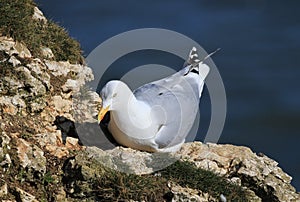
pixel 174 101
pixel 176 85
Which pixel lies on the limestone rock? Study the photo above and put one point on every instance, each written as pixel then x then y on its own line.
pixel 268 181
pixel 47 52
pixel 39 69
pixel 48 114
pixel 4 139
pixel 61 105
pixel 6 162
pixel 187 194
pixel 3 190
pixel 86 105
pixel 50 138
pixel 37 105
pixel 25 196
pixel 83 75
pixel 59 152
pixel 7 106
pixel 70 84
pixel 10 47
pixel 80 73
pixel 12 105
pixel 21 50
pixel 36 86
pixel 5 159
pixel 18 102
pixel 58 68
pixel 6 44
pixel 131 161
pixel 12 82
pixel 72 143
pixel 38 15
pixel 53 143
pixel 31 156
pixel 14 61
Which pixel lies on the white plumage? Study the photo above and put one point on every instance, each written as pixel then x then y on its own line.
pixel 157 116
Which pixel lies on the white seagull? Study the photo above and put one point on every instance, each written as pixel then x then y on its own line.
pixel 157 116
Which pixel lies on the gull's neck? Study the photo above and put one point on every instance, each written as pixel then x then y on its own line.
pixel 129 113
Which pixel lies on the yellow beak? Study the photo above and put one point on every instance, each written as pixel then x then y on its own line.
pixel 102 113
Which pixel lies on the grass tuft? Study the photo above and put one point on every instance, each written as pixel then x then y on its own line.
pixel 119 186
pixel 186 174
pixel 106 184
pixel 16 22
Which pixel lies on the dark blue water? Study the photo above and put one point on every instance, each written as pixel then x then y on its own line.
pixel 259 61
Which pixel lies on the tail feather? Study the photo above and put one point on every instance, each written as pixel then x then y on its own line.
pixel 196 65
pixel 203 70
pixel 193 57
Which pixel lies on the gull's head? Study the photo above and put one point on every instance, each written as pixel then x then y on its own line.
pixel 110 95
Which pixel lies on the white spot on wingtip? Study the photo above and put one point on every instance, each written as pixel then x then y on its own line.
pixel 194 56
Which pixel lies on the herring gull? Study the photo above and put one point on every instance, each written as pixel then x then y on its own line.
pixel 157 116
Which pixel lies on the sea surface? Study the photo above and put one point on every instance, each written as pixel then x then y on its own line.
pixel 259 59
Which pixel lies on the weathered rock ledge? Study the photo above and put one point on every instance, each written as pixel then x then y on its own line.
pixel 42 159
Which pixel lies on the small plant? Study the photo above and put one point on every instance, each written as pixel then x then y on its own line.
pixel 22 175
pixel 48 179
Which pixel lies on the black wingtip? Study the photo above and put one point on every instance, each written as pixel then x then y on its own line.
pixel 194 60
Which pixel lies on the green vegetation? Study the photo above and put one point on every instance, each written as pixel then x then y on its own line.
pixel 16 22
pixel 48 178
pixel 93 181
pixel 104 184
pixel 116 186
pixel 186 174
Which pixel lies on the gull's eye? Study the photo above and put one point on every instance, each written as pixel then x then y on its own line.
pixel 114 95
